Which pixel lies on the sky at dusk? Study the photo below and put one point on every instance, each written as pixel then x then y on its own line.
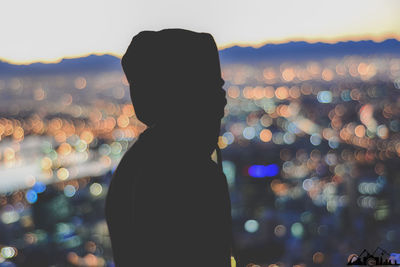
pixel 48 30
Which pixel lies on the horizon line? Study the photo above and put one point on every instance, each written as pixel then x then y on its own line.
pixel 256 45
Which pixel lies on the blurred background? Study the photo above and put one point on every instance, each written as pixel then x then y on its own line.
pixel 310 138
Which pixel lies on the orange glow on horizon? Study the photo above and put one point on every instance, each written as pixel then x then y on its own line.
pixel 333 40
pixel 59 59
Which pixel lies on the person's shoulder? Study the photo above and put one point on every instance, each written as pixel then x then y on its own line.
pixel 133 153
pixel 130 163
pixel 139 152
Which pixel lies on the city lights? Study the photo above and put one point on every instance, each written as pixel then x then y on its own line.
pixel 307 146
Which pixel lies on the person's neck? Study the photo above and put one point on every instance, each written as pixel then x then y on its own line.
pixel 182 138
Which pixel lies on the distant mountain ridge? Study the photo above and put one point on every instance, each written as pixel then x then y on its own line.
pixel 292 51
pixel 298 51
pixel 91 63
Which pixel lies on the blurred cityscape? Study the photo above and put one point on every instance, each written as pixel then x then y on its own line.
pixel 311 152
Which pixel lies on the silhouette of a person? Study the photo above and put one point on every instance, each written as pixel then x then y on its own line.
pixel 168 202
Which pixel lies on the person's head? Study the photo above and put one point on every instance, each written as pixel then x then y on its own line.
pixel 175 79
